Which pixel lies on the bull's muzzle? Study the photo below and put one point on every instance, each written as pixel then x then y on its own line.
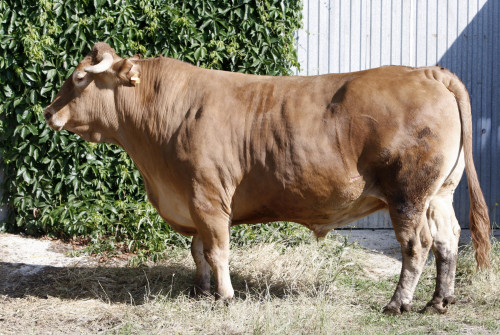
pixel 48 114
pixel 55 120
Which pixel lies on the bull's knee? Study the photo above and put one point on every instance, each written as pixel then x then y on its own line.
pixel 415 246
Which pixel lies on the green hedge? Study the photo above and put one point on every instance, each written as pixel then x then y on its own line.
pixel 57 184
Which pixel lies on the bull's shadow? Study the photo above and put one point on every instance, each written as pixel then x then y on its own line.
pixel 127 285
pixel 135 285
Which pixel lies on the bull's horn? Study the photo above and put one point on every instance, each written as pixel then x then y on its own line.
pixel 106 62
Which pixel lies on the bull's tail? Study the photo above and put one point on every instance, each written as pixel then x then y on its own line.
pixel 479 219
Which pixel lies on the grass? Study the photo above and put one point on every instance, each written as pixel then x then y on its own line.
pixel 294 288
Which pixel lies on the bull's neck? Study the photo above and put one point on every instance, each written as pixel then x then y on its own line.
pixel 152 112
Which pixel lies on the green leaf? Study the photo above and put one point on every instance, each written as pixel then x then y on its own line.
pixel 201 52
pixel 51 74
pixel 29 76
pixel 7 91
pixel 71 28
pixel 46 89
pixel 57 189
pixel 33 129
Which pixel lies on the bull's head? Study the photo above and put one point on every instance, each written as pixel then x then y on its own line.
pixel 85 104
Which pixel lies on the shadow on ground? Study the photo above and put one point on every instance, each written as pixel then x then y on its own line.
pixel 127 285
pixel 139 285
pixel 134 285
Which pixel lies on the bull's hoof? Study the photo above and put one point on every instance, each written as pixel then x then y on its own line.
pixel 198 292
pixel 222 302
pixel 224 293
pixel 394 309
pixel 439 306
pixel 449 300
pixel 435 308
pixel 391 311
pixel 226 300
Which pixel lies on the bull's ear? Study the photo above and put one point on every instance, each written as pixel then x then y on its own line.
pixel 128 72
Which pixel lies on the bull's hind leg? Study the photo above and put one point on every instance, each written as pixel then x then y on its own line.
pixel 202 278
pixel 413 234
pixel 445 232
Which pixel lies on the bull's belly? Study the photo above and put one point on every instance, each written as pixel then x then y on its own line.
pixel 320 216
pixel 317 217
pixel 338 218
pixel 354 211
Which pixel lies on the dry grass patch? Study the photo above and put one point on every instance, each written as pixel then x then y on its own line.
pixel 310 288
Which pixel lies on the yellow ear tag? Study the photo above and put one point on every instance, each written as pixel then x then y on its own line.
pixel 135 79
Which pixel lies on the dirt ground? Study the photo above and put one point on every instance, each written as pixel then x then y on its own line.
pixel 45 290
pixel 24 259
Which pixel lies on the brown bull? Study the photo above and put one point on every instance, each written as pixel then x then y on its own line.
pixel 218 148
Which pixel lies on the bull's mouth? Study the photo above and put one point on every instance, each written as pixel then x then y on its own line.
pixel 54 127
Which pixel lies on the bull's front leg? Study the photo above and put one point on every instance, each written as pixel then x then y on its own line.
pixel 202 277
pixel 213 236
pixel 414 236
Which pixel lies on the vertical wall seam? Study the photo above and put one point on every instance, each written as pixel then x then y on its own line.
pixel 319 37
pixel 340 35
pixel 371 34
pixel 401 38
pixel 390 45
pixel 350 37
pixel 360 33
pixel 308 33
pixel 381 35
pixel 329 39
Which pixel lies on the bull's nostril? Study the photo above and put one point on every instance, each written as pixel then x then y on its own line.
pixel 47 115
